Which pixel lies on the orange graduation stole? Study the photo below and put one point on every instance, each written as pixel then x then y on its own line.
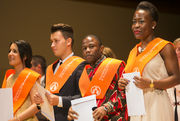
pixel 137 62
pixel 54 82
pixel 22 86
pixel 101 80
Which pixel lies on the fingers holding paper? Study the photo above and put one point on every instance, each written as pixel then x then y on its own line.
pixel 52 99
pixel 37 98
pixel 122 83
pixel 142 82
pixel 72 114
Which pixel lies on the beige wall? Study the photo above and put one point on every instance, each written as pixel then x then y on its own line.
pixel 31 21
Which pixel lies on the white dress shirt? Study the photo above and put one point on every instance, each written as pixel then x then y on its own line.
pixel 59 63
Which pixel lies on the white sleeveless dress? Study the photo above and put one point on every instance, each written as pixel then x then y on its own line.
pixel 157 102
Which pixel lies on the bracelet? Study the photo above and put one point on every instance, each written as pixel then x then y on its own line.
pixel 105 108
pixel 151 84
pixel 111 106
pixel 108 107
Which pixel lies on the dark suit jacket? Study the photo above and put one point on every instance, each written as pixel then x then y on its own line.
pixel 69 91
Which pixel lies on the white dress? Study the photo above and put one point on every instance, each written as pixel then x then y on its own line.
pixel 157 102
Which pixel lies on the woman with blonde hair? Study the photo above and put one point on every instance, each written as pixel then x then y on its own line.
pixel 108 52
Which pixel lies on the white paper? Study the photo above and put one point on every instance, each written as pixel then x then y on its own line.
pixel 46 109
pixel 83 106
pixel 134 96
pixel 6 104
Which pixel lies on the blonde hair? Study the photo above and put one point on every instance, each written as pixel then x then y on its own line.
pixel 108 52
pixel 176 41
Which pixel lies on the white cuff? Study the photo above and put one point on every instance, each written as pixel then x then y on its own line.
pixel 60 104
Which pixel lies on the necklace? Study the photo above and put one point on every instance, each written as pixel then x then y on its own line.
pixel 140 49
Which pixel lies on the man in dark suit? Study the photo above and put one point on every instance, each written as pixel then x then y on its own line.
pixel 62 77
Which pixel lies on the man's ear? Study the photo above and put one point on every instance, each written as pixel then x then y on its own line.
pixel 38 67
pixel 69 41
pixel 102 48
pixel 154 24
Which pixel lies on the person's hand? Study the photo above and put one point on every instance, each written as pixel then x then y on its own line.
pixel 99 113
pixel 72 114
pixel 52 99
pixel 122 83
pixel 37 98
pixel 142 82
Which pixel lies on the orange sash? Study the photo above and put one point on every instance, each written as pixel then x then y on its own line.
pixel 54 82
pixel 101 80
pixel 22 86
pixel 137 62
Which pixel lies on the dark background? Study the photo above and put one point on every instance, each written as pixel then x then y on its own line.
pixel 109 19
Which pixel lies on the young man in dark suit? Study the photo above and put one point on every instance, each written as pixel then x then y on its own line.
pixel 62 76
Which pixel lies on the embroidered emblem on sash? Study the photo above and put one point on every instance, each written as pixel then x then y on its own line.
pixel 54 86
pixel 96 90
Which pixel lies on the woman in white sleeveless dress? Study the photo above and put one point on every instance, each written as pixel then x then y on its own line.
pixel 159 72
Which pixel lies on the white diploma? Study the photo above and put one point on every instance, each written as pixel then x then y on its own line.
pixel 134 96
pixel 83 106
pixel 46 109
pixel 6 104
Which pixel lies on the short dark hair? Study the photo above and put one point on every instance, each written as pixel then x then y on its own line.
pixel 25 50
pixel 66 30
pixel 95 37
pixel 145 5
pixel 38 59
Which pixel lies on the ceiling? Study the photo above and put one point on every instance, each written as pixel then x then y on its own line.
pixel 170 6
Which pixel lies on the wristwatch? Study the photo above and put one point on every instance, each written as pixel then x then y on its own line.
pixel 38 106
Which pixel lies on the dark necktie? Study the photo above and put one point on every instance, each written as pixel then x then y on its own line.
pixel 175 112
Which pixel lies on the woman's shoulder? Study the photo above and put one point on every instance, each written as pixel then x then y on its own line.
pixel 168 49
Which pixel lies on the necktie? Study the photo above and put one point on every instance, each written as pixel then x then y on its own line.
pixel 59 63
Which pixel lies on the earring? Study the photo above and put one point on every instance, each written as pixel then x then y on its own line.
pixel 153 27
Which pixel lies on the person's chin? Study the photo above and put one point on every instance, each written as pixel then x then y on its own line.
pixel 89 61
pixel 137 37
pixel 11 64
pixel 56 54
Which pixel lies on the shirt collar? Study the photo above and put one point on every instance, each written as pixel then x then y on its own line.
pixel 98 61
pixel 66 57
